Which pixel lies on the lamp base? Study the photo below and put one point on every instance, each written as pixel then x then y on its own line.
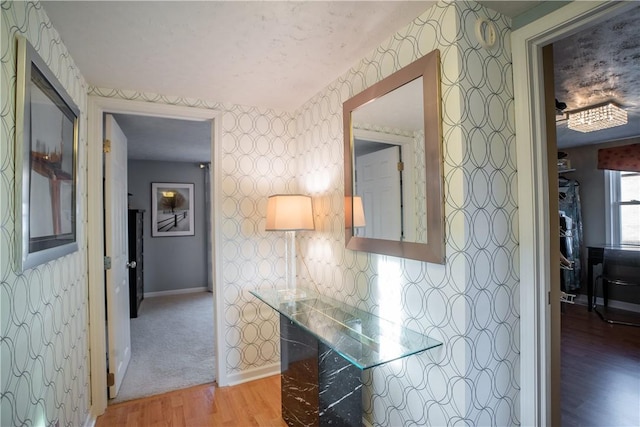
pixel 291 294
pixel 290 260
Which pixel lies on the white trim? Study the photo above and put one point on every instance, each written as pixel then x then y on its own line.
pixel 90 420
pixel 253 374
pixel 610 188
pixel 612 207
pixel 95 255
pixel 386 138
pixel 175 292
pixel 125 106
pixel 97 106
pixel 611 303
pixel 216 240
pixel 533 200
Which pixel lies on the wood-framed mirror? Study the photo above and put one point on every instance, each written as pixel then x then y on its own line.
pixel 393 165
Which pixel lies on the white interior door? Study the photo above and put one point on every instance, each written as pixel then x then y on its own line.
pixel 378 182
pixel 117 277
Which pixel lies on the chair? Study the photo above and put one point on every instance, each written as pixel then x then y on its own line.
pixel 619 268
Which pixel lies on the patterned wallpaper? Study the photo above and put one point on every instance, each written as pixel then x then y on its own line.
pixel 44 312
pixel 257 160
pixel 470 303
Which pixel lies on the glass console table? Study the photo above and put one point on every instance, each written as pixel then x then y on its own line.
pixel 324 347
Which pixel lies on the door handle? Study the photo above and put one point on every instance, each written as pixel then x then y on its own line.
pixel 131 264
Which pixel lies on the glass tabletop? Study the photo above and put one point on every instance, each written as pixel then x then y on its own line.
pixel 362 338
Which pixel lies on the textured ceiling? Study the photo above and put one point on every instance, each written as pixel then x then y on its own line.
pixel 279 54
pixel 599 64
pixel 262 53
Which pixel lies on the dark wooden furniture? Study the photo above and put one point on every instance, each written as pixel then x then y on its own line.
pixel 595 256
pixel 136 254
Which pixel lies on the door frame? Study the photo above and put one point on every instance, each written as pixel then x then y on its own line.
pixel 96 107
pixel 527 42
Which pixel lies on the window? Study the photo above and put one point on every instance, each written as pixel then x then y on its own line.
pixel 624 212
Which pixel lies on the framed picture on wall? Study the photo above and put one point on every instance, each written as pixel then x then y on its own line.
pixel 171 209
pixel 46 162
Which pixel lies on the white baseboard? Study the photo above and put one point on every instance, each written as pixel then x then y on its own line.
pixel 90 421
pixel 253 374
pixel 175 292
pixel 620 305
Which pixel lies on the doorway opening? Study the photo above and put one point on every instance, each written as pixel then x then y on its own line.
pixel 538 352
pixel 97 107
pixel 586 343
pixel 170 311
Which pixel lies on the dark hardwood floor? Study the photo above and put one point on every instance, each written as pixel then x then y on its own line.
pixel 600 369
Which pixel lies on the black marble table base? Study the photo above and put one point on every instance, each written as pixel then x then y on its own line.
pixel 319 387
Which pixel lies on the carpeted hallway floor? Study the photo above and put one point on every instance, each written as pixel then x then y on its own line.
pixel 172 345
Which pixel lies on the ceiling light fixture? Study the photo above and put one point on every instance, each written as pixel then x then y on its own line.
pixel 598 117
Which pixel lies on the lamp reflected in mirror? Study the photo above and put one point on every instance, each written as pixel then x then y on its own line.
pixel 354 212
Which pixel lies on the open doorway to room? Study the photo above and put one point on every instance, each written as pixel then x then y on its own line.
pixel 540 374
pixel 170 285
pixel 98 288
pixel 598 366
pixel 540 353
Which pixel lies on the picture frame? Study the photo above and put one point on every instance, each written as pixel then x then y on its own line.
pixel 46 165
pixel 172 211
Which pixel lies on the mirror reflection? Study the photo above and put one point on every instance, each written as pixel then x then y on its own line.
pixel 393 165
pixel 388 140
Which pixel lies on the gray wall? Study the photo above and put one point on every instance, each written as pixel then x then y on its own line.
pixel 585 162
pixel 170 263
pixel 543 9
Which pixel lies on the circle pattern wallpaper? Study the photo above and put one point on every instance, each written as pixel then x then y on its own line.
pixel 470 303
pixel 44 315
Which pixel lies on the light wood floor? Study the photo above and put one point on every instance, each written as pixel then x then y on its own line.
pixel 600 386
pixel 256 403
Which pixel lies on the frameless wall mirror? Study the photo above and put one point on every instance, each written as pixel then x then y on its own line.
pixel 393 165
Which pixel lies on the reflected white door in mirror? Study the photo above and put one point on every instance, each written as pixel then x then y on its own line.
pixel 393 164
pixel 387 181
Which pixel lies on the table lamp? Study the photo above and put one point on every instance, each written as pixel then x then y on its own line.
pixel 289 213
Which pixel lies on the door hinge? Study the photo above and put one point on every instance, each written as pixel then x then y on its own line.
pixel 111 379
pixel 106 146
pixel 400 166
pixel 107 263
pixel 549 297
